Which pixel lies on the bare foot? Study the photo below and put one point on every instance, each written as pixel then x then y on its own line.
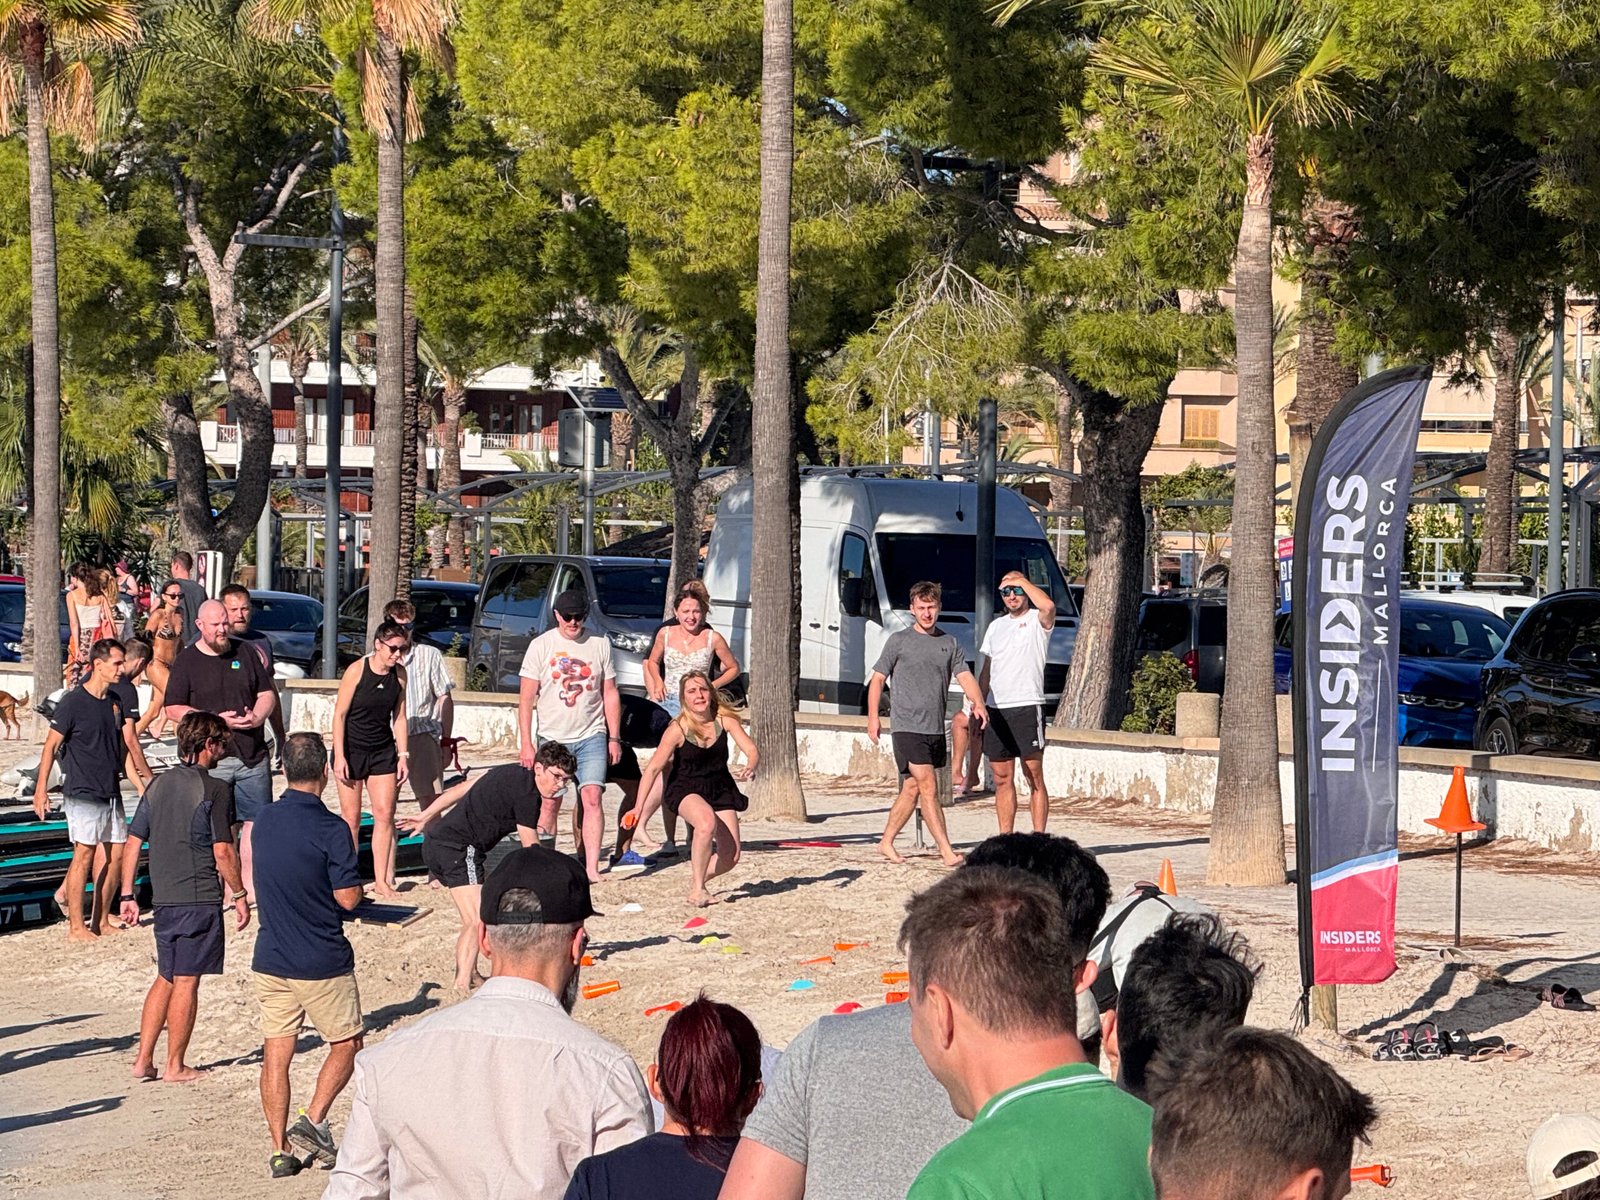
pixel 703 899
pixel 144 1070
pixel 82 935
pixel 384 893
pixel 952 859
pixel 183 1075
pixel 113 927
pixel 889 852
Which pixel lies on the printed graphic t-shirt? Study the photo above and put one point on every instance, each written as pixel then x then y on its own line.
pixel 571 703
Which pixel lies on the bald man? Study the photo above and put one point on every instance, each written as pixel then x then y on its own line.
pixel 220 675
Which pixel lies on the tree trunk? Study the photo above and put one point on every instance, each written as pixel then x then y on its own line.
pixel 409 464
pixel 1500 490
pixel 624 441
pixel 683 466
pixel 44 549
pixel 388 422
pixel 1320 378
pixel 1116 438
pixel 455 400
pixel 1066 458
pixel 774 570
pixel 299 364
pixel 1247 818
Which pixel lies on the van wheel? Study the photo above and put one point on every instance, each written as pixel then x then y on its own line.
pixel 1499 737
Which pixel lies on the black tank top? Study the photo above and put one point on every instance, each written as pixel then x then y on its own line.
pixel 369 724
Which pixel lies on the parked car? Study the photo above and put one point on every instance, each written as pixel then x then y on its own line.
pixel 627 598
pixel 293 624
pixel 1443 650
pixel 1541 692
pixel 444 617
pixel 12 602
pixel 1192 627
pixel 1506 605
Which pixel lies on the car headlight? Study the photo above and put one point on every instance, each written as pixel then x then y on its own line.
pixel 633 643
pixel 1412 699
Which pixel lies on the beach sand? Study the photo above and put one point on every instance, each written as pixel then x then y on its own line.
pixel 73 1123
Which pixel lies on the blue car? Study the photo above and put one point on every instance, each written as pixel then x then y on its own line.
pixel 1443 649
pixel 11 606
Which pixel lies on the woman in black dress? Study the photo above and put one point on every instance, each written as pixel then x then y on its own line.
pixel 369 745
pixel 707 1076
pixel 693 754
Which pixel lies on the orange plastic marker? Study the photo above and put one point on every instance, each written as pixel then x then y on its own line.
pixel 1377 1173
pixel 821 958
pixel 671 1007
pixel 896 997
pixel 593 991
pixel 843 946
pixel 630 819
pixel 849 1006
pixel 897 976
pixel 587 960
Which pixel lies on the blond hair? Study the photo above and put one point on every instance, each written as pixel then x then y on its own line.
pixel 701 733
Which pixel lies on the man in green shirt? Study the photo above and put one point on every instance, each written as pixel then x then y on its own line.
pixel 989 949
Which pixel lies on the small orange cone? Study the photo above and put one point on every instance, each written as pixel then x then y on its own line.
pixel 1166 881
pixel 1456 815
pixel 593 991
pixel 1377 1173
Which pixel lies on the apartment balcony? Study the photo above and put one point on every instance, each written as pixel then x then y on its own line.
pixel 480 452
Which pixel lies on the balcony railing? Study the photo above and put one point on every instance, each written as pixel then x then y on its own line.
pixel 534 442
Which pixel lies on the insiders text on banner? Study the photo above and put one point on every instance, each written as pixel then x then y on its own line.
pixel 1349 539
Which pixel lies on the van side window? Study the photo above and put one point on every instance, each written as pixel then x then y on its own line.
pixel 854 563
pixel 518 590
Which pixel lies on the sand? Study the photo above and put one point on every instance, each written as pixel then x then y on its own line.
pixel 73 1123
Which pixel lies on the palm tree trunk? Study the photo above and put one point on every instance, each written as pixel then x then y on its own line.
pixel 389 271
pixel 409 463
pixel 774 572
pixel 44 548
pixel 1320 377
pixel 1500 489
pixel 1116 438
pixel 1247 818
pixel 455 400
pixel 298 365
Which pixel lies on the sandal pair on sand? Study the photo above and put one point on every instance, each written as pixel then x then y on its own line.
pixel 1426 1041
pixel 1557 996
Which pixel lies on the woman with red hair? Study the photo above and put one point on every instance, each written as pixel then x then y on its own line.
pixel 707 1076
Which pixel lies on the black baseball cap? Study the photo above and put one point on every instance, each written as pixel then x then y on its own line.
pixel 572 604
pixel 557 880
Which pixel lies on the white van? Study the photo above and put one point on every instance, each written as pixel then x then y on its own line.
pixel 864 540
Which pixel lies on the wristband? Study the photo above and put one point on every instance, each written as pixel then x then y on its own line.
pixel 616 740
pixel 238 896
pixel 405 754
pixel 125 897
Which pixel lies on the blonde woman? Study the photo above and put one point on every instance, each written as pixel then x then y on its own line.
pixel 694 756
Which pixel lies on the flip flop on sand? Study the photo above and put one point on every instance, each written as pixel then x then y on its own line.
pixel 1557 996
pixel 1493 1049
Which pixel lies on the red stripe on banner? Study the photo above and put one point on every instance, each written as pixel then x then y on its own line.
pixel 1354 922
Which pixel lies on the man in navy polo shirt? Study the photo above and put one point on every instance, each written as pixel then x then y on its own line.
pixel 306 880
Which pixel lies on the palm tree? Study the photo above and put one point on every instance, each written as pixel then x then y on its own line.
pixel 1249 68
pixel 45 39
pixel 774 578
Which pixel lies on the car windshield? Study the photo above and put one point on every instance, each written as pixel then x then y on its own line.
pixel 443 609
pixel 11 606
pixel 296 614
pixel 947 559
pixel 1450 633
pixel 633 590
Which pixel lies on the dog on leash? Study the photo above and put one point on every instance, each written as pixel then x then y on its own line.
pixel 8 712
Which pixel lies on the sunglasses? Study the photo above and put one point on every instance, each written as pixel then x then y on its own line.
pixel 172 595
pixel 395 647
pixel 1012 591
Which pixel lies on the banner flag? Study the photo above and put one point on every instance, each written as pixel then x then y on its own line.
pixel 1349 554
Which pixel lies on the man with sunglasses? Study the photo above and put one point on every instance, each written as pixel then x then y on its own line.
pixel 185 816
pixel 1011 674
pixel 569 679
pixel 471 819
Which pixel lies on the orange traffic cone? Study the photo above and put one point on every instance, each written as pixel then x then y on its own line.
pixel 1456 815
pixel 1166 881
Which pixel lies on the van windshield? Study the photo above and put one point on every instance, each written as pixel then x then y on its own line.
pixel 947 559
pixel 632 590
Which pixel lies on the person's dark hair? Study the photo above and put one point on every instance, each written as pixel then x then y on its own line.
pixel 234 589
pixel 1243 1116
pixel 305 758
pixel 1589 1189
pixel 996 939
pixel 391 629
pixel 709 1072
pixel 182 558
pixel 401 612
pixel 195 730
pixel 102 649
pixel 81 571
pixel 1074 873
pixel 554 755
pixel 137 649
pixel 927 590
pixel 1185 985
pixel 161 591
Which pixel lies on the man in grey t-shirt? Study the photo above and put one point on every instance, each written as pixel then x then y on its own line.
pixel 919 663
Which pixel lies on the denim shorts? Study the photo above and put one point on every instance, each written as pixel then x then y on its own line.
pixel 252 786
pixel 593 754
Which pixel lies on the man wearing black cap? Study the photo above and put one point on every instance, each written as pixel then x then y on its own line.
pixel 569 679
pixel 503 1094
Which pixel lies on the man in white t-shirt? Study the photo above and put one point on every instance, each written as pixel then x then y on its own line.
pixel 567 675
pixel 1012 677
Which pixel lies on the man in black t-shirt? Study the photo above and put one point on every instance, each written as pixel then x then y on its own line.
pixel 181 569
pixel 186 819
pixel 471 818
pixel 91 731
pixel 236 603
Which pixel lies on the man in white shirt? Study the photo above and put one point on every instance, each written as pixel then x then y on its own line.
pixel 568 677
pixel 430 709
pixel 1013 655
pixel 499 1097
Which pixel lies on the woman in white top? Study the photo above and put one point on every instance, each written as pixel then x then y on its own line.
pixel 90 616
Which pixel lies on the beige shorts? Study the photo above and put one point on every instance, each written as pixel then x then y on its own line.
pixel 332 1005
pixel 426 765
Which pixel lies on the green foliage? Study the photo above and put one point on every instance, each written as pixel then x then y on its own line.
pixel 1157 683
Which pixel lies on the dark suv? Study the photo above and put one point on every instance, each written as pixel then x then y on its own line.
pixel 1192 627
pixel 1541 693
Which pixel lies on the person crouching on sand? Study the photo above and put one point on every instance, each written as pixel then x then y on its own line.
pixel 700 787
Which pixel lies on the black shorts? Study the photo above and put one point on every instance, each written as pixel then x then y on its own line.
pixel 189 940
pixel 1015 733
pixel 363 763
pixel 452 864
pixel 920 749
